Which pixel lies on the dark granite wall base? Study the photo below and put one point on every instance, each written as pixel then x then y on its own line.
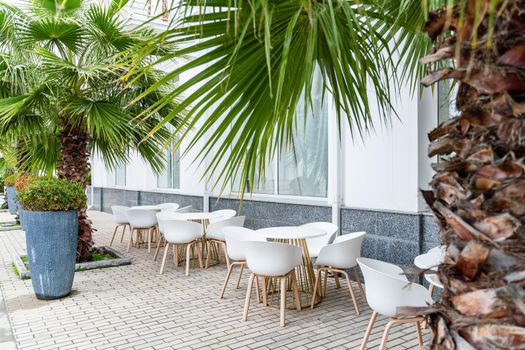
pixel 391 236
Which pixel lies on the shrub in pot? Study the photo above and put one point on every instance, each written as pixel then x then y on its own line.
pixel 49 214
pixel 12 203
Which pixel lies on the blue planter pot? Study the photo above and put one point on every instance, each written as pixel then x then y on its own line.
pixel 51 238
pixel 12 203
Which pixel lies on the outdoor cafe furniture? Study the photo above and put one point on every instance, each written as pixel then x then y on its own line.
pixel 215 240
pixel 276 261
pixel 431 261
pixel 387 288
pixel 222 214
pixel 181 233
pixel 315 244
pixel 141 220
pixel 297 236
pixel 168 206
pixel 236 240
pixel 337 258
pixel 121 220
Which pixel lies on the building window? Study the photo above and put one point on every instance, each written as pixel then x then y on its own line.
pixel 302 169
pixel 170 176
pixel 120 175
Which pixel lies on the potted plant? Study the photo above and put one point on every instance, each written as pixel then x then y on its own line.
pixel 49 214
pixel 12 204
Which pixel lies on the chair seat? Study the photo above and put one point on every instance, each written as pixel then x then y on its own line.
pixel 215 234
pixel 314 251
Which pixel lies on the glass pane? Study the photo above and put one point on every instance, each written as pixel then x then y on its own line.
pixel 303 168
pixel 170 176
pixel 265 184
pixel 120 175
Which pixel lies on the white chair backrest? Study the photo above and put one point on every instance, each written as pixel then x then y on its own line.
pixel 272 259
pixel 186 209
pixel 120 214
pixel 167 215
pixel 343 252
pixel 216 229
pixel 224 214
pixel 328 227
pixel 142 218
pixel 386 289
pixel 181 231
pixel 168 206
pixel 236 238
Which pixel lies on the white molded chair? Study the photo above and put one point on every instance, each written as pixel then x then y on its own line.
pixel 215 237
pixel 315 244
pixel 224 214
pixel 140 220
pixel 161 217
pixel 236 239
pixel 181 232
pixel 273 260
pixel 186 209
pixel 168 206
pixel 386 290
pixel 336 258
pixel 121 219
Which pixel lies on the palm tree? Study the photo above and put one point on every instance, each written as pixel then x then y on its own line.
pixel 478 194
pixel 256 59
pixel 62 96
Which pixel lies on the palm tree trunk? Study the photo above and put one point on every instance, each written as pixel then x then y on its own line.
pixel 74 166
pixel 478 191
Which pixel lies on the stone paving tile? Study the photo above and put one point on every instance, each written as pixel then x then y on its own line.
pixel 133 307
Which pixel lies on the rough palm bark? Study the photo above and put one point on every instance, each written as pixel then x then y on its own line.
pixel 74 166
pixel 478 191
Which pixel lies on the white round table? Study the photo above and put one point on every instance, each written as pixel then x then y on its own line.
pixel 199 216
pixel 297 235
pixel 146 207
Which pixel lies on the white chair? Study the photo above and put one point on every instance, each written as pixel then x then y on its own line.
pixel 273 260
pixel 315 244
pixel 140 220
pixel 215 237
pixel 186 209
pixel 161 217
pixel 121 219
pixel 168 206
pixel 181 233
pixel 236 239
pixel 386 290
pixel 223 214
pixel 336 258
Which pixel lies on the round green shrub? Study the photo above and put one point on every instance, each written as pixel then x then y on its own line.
pixel 10 180
pixel 52 194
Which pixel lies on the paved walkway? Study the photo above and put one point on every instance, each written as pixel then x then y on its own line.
pixel 133 307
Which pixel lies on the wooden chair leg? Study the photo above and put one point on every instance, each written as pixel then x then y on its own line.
pixel 230 269
pixel 283 299
pixel 368 330
pixel 419 335
pixel 351 292
pixel 336 278
pixel 248 297
pixel 264 292
pixel 257 290
pixel 123 232
pixel 130 240
pixel 176 255
pixel 240 275
pixel 297 295
pixel 208 252
pixel 150 233
pixel 199 254
pixel 431 289
pixel 188 251
pixel 166 248
pixel 226 257
pixel 358 280
pixel 325 282
pixel 158 248
pixel 316 286
pixel 114 233
pixel 384 340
